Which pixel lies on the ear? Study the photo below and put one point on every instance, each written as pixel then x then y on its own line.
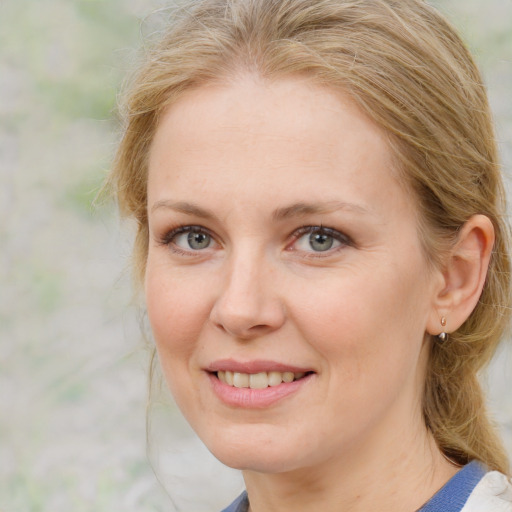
pixel 463 275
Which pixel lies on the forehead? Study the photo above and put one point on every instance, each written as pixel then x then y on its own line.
pixel 288 136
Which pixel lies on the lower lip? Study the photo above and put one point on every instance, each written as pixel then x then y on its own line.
pixel 248 398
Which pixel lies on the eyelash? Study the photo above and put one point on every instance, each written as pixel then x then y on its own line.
pixel 344 240
pixel 171 235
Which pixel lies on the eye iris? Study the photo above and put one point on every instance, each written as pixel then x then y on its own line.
pixel 198 240
pixel 320 241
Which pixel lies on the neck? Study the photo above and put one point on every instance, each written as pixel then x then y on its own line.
pixel 398 474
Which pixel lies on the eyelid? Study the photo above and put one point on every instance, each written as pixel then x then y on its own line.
pixel 170 235
pixel 344 239
pixel 168 238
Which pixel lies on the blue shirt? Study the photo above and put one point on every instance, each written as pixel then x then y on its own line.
pixel 450 498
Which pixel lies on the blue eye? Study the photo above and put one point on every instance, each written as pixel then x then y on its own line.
pixel 319 239
pixel 190 238
pixel 198 241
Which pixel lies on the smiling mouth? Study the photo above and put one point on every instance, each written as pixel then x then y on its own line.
pixel 260 380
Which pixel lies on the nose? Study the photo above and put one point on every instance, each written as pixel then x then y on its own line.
pixel 248 305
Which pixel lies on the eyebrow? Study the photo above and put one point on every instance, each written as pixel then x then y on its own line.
pixel 300 209
pixel 303 209
pixel 183 207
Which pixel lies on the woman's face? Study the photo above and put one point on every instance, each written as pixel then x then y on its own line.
pixel 286 286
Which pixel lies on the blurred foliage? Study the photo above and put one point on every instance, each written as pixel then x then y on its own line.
pixel 67 50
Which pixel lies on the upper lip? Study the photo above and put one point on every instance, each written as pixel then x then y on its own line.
pixel 256 366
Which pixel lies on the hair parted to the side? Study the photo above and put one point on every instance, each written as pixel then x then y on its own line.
pixel 408 70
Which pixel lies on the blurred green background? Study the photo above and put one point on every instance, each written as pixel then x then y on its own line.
pixel 72 357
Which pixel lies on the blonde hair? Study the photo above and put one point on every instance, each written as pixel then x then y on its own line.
pixel 408 70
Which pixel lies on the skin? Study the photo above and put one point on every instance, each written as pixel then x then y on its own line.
pixel 358 315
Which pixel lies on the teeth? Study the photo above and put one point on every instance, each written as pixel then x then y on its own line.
pixel 288 377
pixel 275 378
pixel 257 380
pixel 241 380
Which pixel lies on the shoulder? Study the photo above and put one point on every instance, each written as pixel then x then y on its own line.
pixel 241 504
pixel 493 493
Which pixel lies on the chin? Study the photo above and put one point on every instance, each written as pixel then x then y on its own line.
pixel 259 461
pixel 253 451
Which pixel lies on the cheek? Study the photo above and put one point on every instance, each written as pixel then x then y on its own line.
pixel 361 321
pixel 176 315
pixel 176 312
pixel 370 354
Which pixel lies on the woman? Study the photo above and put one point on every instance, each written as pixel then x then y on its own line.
pixel 322 245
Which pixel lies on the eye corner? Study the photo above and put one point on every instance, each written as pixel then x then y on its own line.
pixel 188 240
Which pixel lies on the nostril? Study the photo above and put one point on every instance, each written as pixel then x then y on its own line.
pixel 219 326
pixel 241 328
pixel 260 327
